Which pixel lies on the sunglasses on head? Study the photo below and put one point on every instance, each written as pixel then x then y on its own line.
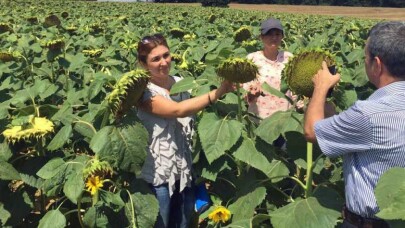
pixel 153 38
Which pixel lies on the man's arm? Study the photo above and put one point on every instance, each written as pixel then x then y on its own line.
pixel 323 81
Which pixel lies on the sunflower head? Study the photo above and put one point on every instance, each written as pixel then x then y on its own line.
pixel 93 184
pixel 71 28
pixel 129 44
pixel 32 20
pixel 220 214
pixel 92 52
pixel 212 18
pixel 5 28
pixel 51 20
pixel 6 57
pixel 54 45
pixel 250 45
pixel 36 127
pixel 123 19
pixel 177 32
pixel 177 58
pixel 65 14
pixel 189 37
pixel 98 168
pixel 300 70
pixel 96 27
pixel 127 91
pixel 242 34
pixel 238 70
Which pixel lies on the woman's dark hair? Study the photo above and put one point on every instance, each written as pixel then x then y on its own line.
pixel 148 43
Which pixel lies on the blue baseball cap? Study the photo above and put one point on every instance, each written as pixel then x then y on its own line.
pixel 270 23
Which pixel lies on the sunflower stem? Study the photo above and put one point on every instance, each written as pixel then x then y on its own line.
pixel 79 205
pixel 132 210
pixel 239 102
pixel 308 189
pixel 105 119
pixel 95 198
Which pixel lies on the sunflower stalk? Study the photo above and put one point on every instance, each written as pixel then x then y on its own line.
pixel 94 199
pixel 134 220
pixel 79 209
pixel 308 187
pixel 239 102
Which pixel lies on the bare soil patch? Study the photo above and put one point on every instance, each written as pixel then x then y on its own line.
pixel 345 11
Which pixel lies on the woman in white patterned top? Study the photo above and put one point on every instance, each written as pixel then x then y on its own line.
pixel 271 61
pixel 169 121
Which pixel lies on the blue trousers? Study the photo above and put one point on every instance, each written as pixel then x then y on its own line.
pixel 175 211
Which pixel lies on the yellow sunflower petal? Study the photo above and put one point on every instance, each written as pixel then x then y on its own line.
pixel 93 184
pixel 220 213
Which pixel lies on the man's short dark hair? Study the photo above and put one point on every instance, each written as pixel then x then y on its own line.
pixel 387 41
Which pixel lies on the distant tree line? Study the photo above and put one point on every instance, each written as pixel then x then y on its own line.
pixel 371 3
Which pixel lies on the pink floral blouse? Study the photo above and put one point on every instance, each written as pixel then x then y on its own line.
pixel 270 72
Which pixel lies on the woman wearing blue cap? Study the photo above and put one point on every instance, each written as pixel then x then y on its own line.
pixel 271 61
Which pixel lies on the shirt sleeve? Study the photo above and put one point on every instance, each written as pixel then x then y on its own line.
pixel 348 132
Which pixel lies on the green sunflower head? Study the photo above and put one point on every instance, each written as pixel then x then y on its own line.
pixel 127 91
pixel 300 70
pixel 34 128
pixel 95 167
pixel 238 70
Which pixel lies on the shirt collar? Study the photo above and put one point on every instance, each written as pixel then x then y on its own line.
pixel 392 88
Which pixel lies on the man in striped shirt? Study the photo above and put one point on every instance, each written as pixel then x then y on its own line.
pixel 370 134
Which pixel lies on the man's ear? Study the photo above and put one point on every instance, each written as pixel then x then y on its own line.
pixel 378 66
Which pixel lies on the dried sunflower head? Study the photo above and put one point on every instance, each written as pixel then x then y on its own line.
pixel 242 34
pixel 36 127
pixel 5 28
pixel 177 32
pixel 51 20
pixel 96 27
pixel 8 56
pixel 212 18
pixel 238 70
pixel 65 14
pixel 54 45
pixel 32 20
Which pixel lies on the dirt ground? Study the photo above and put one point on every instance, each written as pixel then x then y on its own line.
pixel 358 12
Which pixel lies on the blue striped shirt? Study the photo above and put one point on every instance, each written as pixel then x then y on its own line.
pixel 370 136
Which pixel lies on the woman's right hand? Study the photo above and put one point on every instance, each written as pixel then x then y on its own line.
pixel 254 91
pixel 226 87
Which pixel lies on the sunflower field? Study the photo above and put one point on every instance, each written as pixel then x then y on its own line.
pixel 71 157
